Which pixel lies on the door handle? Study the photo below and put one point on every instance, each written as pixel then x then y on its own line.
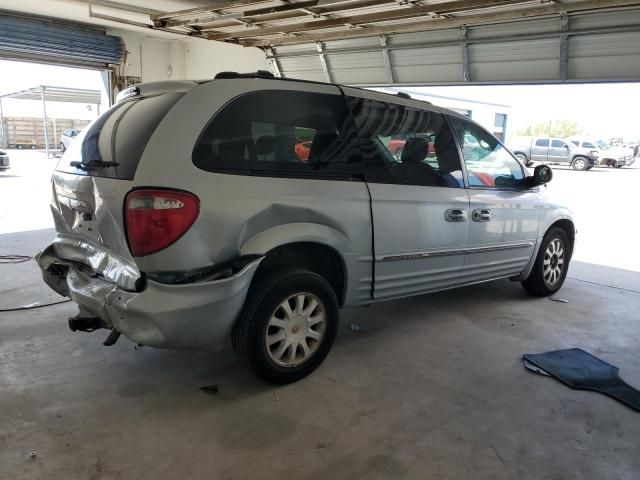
pixel 481 215
pixel 455 215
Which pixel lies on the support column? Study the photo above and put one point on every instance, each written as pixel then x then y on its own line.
pixel 3 141
pixel 44 112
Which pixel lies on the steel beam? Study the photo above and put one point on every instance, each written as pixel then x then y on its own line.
pixel 323 62
pixel 386 59
pixel 386 16
pixel 274 62
pixel 464 51
pixel 445 23
pixel 253 8
pixel 564 48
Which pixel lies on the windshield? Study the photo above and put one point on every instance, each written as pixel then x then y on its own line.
pixel 602 145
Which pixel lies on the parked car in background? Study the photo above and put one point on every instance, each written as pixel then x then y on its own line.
pixel 184 218
pixel 608 155
pixel 4 160
pixel 67 137
pixel 557 151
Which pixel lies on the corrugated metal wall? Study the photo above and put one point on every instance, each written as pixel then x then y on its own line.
pixel 580 47
pixel 51 42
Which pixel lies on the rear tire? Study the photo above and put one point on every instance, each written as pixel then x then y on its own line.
pixel 580 163
pixel 287 326
pixel 551 265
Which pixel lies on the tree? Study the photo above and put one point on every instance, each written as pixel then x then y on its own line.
pixel 554 128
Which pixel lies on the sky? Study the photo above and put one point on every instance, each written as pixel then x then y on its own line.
pixel 603 110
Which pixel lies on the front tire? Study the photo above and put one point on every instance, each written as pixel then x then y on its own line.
pixel 287 326
pixel 551 265
pixel 580 163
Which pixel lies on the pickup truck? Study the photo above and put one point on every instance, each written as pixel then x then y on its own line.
pixel 556 150
pixel 609 155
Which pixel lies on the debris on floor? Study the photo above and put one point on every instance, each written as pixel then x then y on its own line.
pixel 561 300
pixel 210 389
pixel 582 371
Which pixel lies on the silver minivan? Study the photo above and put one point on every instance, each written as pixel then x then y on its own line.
pixel 253 208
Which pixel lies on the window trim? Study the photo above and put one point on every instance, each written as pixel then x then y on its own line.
pixel 464 165
pixel 250 172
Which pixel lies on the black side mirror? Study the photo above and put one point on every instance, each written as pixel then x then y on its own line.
pixel 541 174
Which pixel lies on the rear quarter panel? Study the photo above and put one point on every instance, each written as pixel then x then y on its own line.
pixel 252 214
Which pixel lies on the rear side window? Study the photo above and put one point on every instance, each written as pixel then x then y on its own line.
pixel 112 144
pixel 281 133
pixel 406 145
pixel 542 142
pixel 588 145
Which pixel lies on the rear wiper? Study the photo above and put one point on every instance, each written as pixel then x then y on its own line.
pixel 93 164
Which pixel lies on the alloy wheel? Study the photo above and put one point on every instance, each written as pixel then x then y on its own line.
pixel 296 329
pixel 553 263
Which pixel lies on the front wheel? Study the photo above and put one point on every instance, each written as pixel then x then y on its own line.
pixel 580 164
pixel 550 267
pixel 287 325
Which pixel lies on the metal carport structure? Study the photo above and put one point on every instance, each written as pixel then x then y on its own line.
pixel 46 93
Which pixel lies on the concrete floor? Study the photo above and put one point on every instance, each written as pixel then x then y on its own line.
pixel 428 387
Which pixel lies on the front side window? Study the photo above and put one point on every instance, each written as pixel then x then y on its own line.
pixel 406 145
pixel 281 132
pixel 487 161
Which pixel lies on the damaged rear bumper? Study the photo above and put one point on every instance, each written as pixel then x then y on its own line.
pixel 194 315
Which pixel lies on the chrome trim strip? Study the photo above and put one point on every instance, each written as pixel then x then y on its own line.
pixel 442 253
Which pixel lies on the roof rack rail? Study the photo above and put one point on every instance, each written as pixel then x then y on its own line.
pixel 258 74
pixel 403 95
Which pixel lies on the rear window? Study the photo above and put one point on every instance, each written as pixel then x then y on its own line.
pixel 112 144
pixel 281 133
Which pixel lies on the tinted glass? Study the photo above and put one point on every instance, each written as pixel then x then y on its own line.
pixel 588 145
pixel 542 143
pixel 406 145
pixel 119 135
pixel 576 143
pixel 488 162
pixel 557 144
pixel 281 132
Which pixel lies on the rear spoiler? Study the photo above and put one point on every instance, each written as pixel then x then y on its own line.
pixel 155 88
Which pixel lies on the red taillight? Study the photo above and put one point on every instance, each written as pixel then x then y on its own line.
pixel 157 218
